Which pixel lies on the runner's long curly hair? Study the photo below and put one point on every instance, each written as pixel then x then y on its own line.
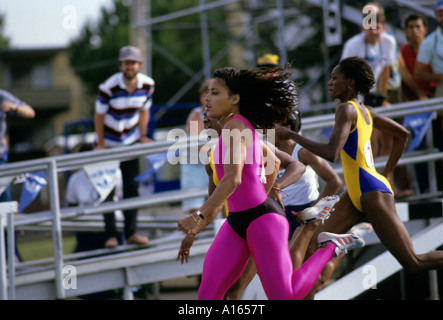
pixel 267 96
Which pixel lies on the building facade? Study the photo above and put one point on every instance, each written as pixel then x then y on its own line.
pixel 45 80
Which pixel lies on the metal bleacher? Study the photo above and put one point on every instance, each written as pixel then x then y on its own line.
pixel 68 276
pixel 102 269
pixel 385 265
pixel 426 235
pixel 422 215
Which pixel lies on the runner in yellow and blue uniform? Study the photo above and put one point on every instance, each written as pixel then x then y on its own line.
pixel 368 194
pixel 359 172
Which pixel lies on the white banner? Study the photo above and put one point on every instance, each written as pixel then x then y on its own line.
pixel 104 177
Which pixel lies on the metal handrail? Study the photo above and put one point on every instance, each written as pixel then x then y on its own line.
pixel 393 111
pixel 56 164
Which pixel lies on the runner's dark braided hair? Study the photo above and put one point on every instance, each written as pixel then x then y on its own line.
pixel 360 71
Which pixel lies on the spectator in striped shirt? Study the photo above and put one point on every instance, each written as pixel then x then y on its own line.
pixel 121 119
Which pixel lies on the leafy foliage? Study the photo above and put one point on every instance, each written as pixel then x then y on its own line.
pixel 177 46
pixel 4 42
pixel 94 53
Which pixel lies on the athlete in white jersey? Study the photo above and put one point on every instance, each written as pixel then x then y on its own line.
pixel 305 192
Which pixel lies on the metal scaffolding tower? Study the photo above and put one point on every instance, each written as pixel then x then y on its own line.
pixel 242 19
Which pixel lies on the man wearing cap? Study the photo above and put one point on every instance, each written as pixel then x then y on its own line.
pixel 430 53
pixel 121 119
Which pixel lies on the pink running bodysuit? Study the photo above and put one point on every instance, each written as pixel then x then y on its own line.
pixel 265 236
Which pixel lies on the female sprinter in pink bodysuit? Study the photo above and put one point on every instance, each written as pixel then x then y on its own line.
pixel 244 100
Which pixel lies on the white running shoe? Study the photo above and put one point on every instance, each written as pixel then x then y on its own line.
pixel 344 242
pixel 361 229
pixel 321 211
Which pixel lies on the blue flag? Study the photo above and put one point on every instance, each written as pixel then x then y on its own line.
pixel 31 188
pixel 418 125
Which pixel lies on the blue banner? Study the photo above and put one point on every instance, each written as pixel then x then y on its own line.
pixel 418 125
pixel 31 187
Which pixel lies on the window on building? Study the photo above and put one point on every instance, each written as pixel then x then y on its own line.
pixel 41 76
pixel 19 77
pixel 29 77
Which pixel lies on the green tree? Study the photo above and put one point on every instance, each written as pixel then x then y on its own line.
pixel 4 42
pixel 94 53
